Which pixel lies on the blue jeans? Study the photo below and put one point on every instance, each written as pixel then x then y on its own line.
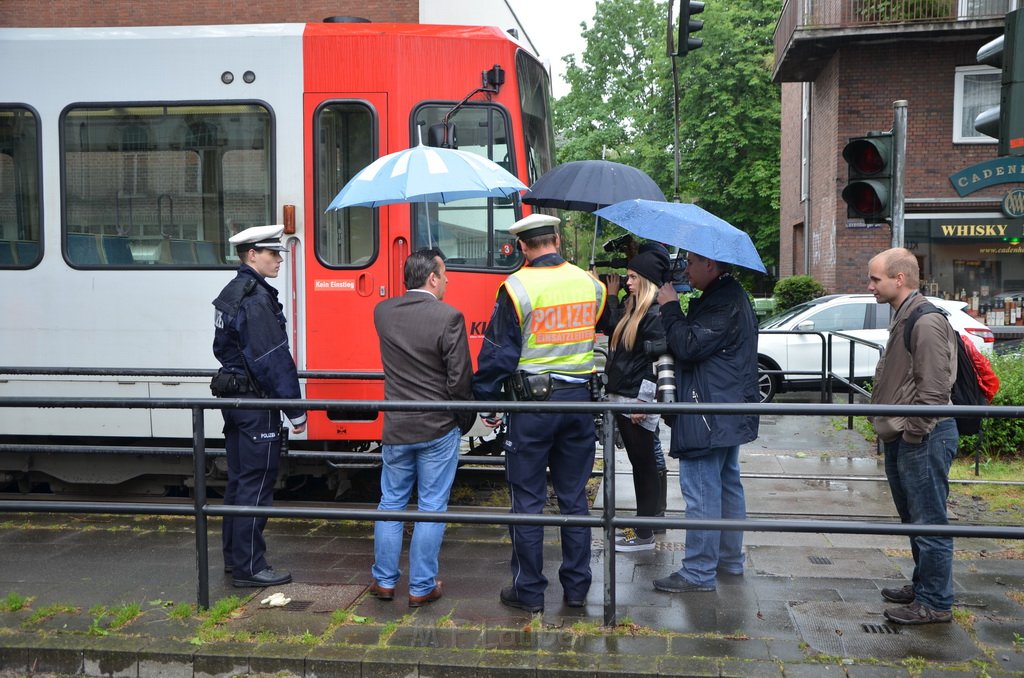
pixel 919 481
pixel 431 466
pixel 712 489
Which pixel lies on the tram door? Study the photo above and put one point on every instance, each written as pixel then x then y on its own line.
pixel 351 262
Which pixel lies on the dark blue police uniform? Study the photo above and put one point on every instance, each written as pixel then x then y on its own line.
pixel 250 341
pixel 564 442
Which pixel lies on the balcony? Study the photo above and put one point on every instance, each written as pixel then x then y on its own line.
pixel 810 31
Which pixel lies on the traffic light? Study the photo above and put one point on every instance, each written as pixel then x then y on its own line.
pixel 687 27
pixel 1006 121
pixel 869 189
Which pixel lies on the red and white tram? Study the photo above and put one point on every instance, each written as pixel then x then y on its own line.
pixel 128 156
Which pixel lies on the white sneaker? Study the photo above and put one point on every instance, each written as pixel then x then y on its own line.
pixel 631 542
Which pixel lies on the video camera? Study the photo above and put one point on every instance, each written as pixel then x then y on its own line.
pixel 677 274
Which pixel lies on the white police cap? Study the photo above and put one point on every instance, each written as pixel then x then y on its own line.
pixel 260 237
pixel 534 225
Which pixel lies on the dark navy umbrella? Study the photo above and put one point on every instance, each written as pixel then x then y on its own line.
pixel 687 226
pixel 588 185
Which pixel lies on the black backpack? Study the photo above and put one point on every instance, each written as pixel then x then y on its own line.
pixel 966 390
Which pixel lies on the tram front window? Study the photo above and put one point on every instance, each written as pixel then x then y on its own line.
pixel 472 234
pixel 156 185
pixel 19 188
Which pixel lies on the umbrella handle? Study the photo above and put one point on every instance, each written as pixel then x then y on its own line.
pixel 593 245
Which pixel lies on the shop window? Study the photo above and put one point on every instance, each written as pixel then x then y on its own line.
pixel 975 90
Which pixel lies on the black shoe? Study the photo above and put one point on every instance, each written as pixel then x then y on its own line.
pixel 574 602
pixel 509 597
pixel 228 569
pixel 903 595
pixel 265 577
pixel 676 583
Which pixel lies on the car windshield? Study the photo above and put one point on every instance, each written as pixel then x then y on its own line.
pixel 776 320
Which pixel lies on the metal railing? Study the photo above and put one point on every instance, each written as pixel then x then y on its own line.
pixel 826 374
pixel 608 520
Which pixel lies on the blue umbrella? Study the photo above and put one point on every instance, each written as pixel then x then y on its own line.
pixel 426 174
pixel 688 227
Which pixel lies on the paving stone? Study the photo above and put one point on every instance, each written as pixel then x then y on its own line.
pixel 449 664
pixel 56 654
pixel 650 646
pixel 218 659
pixel 113 656
pixel 627 666
pixel 686 667
pixel 166 659
pixel 815 671
pixel 335 661
pixel 391 662
pixel 277 659
pixel 566 666
pixel 749 669
pixel 432 636
pixel 868 671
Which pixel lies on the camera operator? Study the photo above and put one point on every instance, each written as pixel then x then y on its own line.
pixel 631 327
pixel 715 346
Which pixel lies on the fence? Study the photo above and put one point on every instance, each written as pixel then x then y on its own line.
pixel 201 510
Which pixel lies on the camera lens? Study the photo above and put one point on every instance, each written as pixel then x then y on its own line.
pixel 665 369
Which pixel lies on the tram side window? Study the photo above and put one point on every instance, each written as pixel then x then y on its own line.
pixel 155 185
pixel 471 233
pixel 20 236
pixel 345 134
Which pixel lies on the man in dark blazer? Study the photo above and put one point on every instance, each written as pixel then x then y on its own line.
pixel 425 353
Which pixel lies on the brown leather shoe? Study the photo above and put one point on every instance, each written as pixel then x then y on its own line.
pixel 381 593
pixel 417 601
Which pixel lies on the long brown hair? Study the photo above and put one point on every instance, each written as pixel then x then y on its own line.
pixel 637 305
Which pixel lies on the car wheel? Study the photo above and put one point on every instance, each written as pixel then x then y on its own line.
pixel 767 384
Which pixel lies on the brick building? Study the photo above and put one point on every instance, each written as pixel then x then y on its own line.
pixel 24 13
pixel 842 64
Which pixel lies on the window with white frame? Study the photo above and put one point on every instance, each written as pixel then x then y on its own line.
pixel 976 89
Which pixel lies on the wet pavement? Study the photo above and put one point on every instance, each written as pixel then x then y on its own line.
pixel 807 605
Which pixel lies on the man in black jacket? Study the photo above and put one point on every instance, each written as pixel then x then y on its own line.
pixel 715 348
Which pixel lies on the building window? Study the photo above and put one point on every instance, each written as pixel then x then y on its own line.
pixel 976 89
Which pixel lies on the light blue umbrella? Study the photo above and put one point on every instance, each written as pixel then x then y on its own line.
pixel 426 174
pixel 688 227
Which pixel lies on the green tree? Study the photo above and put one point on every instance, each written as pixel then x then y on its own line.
pixel 621 100
pixel 730 119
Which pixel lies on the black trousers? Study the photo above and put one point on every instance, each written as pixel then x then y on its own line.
pixel 639 444
pixel 565 443
pixel 253 445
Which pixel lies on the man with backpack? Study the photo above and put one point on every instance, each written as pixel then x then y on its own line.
pixel 918 450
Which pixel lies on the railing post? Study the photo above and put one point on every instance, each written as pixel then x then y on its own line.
pixel 608 453
pixel 825 393
pixel 199 506
pixel 849 388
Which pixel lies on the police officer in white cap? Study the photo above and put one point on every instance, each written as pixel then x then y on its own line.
pixel 251 344
pixel 539 345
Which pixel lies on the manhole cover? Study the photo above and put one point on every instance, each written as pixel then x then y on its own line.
pixel 789 561
pixel 859 631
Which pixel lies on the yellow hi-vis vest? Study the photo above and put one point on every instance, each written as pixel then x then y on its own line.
pixel 558 307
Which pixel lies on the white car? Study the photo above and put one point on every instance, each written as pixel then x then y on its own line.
pixel 792 341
